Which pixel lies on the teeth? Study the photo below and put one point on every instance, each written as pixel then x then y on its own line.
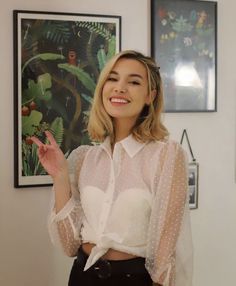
pixel 119 100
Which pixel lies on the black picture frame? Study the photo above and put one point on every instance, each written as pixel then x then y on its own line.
pixel 57 61
pixel 193 178
pixel 184 44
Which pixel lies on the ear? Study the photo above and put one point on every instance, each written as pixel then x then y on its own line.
pixel 151 97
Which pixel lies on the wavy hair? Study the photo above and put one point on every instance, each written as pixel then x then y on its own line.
pixel 149 125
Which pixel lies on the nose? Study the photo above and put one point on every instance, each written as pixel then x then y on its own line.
pixel 119 89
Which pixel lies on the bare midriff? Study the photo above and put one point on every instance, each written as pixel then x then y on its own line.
pixel 111 254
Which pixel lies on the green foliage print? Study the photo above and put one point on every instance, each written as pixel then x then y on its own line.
pixel 61 62
pixel 31 164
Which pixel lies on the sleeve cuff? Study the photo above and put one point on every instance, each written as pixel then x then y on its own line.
pixel 65 211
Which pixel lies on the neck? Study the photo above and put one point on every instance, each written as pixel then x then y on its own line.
pixel 122 129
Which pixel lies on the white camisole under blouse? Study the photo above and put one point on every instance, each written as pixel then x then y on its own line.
pixel 121 225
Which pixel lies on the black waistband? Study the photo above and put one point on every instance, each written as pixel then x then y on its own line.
pixel 105 268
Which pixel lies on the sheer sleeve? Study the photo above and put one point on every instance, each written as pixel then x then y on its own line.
pixel 168 261
pixel 64 227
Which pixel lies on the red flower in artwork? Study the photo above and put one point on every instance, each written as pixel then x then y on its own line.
pixel 162 13
pixel 72 58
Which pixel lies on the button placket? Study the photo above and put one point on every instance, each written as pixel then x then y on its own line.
pixel 117 159
pixel 107 201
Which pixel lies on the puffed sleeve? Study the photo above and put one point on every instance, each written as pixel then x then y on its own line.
pixel 64 226
pixel 169 250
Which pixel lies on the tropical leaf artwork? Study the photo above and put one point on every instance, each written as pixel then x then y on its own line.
pixel 60 64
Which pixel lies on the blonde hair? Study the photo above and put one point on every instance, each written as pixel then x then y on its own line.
pixel 148 126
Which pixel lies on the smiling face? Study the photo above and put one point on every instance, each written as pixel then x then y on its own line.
pixel 126 91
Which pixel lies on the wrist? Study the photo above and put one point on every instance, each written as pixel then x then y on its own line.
pixel 62 189
pixel 61 175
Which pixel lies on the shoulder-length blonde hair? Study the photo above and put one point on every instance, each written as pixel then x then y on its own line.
pixel 148 126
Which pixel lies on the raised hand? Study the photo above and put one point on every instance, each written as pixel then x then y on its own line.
pixel 50 156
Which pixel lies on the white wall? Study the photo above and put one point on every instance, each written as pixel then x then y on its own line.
pixel 26 255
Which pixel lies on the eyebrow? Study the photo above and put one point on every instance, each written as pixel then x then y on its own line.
pixel 130 75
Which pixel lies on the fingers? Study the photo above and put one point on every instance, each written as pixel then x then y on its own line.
pixel 51 138
pixel 41 144
pixel 36 141
pixel 42 150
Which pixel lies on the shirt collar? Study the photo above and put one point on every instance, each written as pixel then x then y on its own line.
pixel 106 145
pixel 131 146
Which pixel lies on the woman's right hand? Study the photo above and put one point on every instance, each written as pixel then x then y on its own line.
pixel 50 156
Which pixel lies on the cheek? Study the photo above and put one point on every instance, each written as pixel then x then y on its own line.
pixel 105 91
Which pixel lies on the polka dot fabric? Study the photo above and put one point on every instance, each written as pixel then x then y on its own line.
pixel 134 199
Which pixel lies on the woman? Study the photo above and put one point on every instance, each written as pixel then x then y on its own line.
pixel 121 206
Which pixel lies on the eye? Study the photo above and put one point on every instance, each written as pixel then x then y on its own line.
pixel 110 78
pixel 134 82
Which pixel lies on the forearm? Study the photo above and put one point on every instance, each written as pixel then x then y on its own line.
pixel 69 242
pixel 65 220
pixel 62 190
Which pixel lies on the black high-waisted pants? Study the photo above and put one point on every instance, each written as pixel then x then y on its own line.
pixel 131 272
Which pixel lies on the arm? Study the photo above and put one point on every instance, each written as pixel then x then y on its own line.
pixel 65 220
pixel 168 216
pixel 62 190
pixel 173 218
pixel 54 162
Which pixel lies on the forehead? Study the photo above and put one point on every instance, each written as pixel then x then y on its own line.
pixel 130 66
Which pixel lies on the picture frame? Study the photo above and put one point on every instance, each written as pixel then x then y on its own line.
pixel 57 61
pixel 184 45
pixel 193 174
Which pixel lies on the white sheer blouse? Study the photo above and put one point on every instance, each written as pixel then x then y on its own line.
pixel 134 199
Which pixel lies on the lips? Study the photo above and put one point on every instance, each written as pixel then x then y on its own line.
pixel 119 100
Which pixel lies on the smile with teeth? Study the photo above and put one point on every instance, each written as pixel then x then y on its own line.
pixel 119 100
